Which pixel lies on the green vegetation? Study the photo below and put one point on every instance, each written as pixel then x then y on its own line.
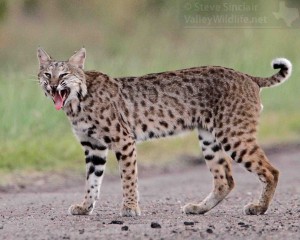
pixel 131 38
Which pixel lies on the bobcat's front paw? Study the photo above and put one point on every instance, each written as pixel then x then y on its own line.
pixel 191 208
pixel 130 211
pixel 81 209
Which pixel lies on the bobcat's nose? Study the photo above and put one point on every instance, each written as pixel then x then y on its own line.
pixel 53 88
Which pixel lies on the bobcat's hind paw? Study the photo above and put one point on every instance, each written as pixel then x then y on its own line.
pixel 80 209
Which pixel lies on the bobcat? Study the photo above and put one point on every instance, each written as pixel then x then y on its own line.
pixel 115 113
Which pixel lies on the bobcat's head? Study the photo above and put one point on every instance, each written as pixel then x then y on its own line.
pixel 62 81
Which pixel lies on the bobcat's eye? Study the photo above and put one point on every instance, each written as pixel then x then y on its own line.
pixel 63 75
pixel 48 75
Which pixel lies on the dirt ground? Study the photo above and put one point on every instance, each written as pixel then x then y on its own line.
pixel 32 213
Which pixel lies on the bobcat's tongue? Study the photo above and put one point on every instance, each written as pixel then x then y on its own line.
pixel 58 101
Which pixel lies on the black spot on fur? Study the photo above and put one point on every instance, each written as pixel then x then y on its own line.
pixel 248 164
pixel 107 139
pixel 118 128
pixel 170 114
pixel 131 153
pixel 209 157
pixel 221 161
pixel 106 129
pixel 151 134
pixel 126 146
pixel 128 178
pixel 118 155
pixel 238 143
pixel 91 170
pixel 253 150
pixel 163 123
pixel 108 121
pixel 219 134
pixel 101 148
pixel 212 71
pixel 227 147
pixel 127 164
pixel 91 130
pixel 242 154
pixel 239 160
pixel 215 148
pixel 225 140
pixel 144 127
pixel 98 173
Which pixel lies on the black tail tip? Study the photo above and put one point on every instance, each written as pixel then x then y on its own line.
pixel 280 66
pixel 284 65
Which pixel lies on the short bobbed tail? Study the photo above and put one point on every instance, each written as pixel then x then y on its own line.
pixel 285 71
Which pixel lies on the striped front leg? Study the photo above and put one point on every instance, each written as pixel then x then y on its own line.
pixel 95 156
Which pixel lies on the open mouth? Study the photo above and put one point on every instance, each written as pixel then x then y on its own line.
pixel 59 98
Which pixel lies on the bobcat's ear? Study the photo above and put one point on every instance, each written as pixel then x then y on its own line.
pixel 78 58
pixel 43 57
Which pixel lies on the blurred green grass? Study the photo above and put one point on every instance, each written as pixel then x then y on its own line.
pixel 131 38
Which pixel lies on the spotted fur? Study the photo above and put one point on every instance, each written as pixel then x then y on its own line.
pixel 115 113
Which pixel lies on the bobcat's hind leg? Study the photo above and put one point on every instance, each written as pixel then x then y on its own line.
pixel 220 166
pixel 253 158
